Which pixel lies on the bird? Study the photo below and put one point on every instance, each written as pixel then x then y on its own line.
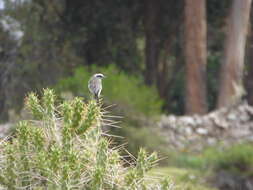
pixel 95 85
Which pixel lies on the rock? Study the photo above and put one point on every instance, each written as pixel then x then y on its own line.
pixel 202 131
pixel 5 129
pixel 188 131
pixel 211 141
pixel 232 116
pixel 220 122
pixel 198 120
pixel 229 125
pixel 188 120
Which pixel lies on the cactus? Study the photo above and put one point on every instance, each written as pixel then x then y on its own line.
pixel 63 147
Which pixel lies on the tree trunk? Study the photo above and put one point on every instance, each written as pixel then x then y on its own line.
pixel 231 74
pixel 249 78
pixel 195 39
pixel 151 24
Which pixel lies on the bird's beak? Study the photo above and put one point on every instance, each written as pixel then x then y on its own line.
pixel 104 76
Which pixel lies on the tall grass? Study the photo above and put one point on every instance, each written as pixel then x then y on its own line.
pixel 64 147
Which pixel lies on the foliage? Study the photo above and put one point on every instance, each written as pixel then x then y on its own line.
pixel 237 159
pixel 63 147
pixel 192 169
pixel 40 57
pixel 212 79
pixel 188 179
pixel 176 97
pixel 188 160
pixel 136 137
pixel 61 35
pixel 125 90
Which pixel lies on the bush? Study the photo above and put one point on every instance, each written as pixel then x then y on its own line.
pixel 63 147
pixel 237 159
pixel 128 92
pixel 142 137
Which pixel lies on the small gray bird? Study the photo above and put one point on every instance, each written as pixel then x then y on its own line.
pixel 95 85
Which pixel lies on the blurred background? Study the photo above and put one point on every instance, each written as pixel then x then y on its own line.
pixel 179 72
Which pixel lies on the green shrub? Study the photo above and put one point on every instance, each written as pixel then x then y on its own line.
pixel 237 159
pixel 188 160
pixel 142 137
pixel 63 147
pixel 185 178
pixel 128 92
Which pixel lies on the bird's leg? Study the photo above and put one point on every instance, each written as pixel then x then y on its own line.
pixel 97 98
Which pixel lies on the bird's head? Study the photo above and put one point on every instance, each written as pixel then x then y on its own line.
pixel 99 75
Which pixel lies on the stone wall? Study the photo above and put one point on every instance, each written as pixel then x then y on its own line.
pixel 226 126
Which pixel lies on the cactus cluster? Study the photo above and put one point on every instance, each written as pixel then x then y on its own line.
pixel 64 147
